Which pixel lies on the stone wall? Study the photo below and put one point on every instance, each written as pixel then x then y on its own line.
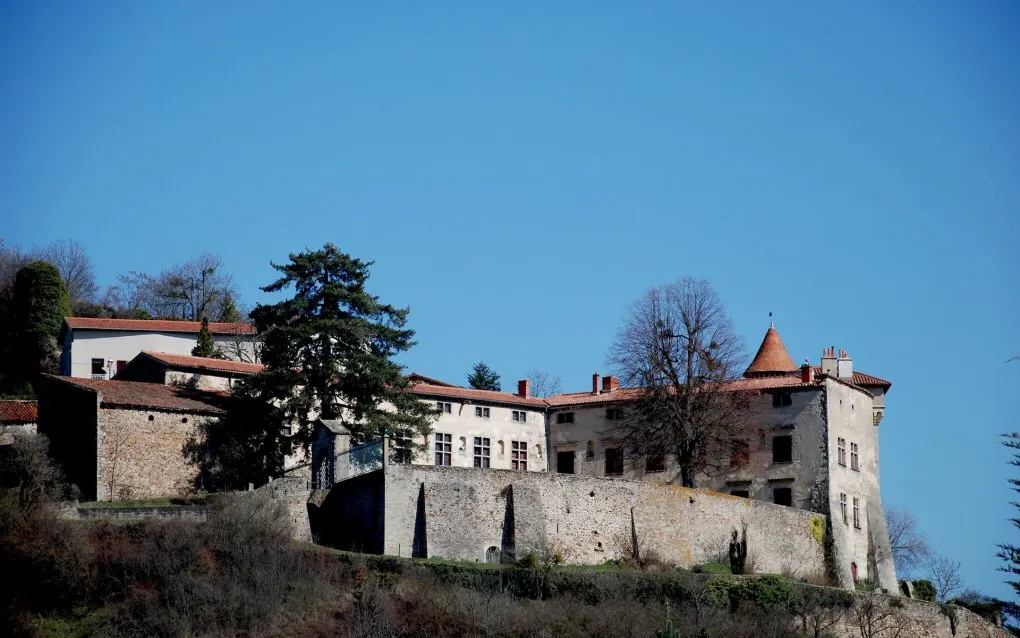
pixel 463 514
pixel 141 453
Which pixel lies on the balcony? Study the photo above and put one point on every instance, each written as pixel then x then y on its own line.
pixel 100 377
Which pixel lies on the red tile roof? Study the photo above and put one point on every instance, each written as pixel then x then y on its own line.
pixel 586 398
pixel 14 412
pixel 421 378
pixel 863 380
pixel 204 363
pixel 470 394
pixel 772 356
pixel 135 394
pixel 156 325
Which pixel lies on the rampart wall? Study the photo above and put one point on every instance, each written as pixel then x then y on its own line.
pixel 462 514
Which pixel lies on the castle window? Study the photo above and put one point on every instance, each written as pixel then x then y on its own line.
pixel 589 453
pixel 655 462
pixel 841 452
pixel 520 416
pixel 443 407
pixel 614 461
pixel 401 450
pixel 565 417
pixel 614 414
pixel 741 493
pixel 492 555
pixel 857 513
pixel 842 508
pixel 782 496
pixel 739 488
pixel 855 458
pixel 781 399
pixel 482 451
pixel 519 455
pixel 782 449
pixel 444 448
pixel 481 413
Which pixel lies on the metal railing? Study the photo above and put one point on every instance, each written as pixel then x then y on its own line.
pixel 360 459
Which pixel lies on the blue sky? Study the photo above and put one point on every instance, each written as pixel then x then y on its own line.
pixel 521 173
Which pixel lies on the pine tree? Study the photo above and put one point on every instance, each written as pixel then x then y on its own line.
pixel 329 350
pixel 1009 553
pixel 483 377
pixel 206 346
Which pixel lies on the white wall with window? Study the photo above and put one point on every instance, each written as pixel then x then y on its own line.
pixel 494 435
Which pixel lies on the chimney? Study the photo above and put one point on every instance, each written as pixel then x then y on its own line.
pixel 844 366
pixel 807 372
pixel 609 384
pixel 524 388
pixel 829 361
pixel 595 383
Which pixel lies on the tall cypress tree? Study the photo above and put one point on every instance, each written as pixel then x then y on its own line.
pixel 329 350
pixel 206 346
pixel 39 304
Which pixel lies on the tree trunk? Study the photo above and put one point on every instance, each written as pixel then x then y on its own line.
pixel 687 476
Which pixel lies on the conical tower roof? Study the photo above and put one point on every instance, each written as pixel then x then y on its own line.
pixel 772 357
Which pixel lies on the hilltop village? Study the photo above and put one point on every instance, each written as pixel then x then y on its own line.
pixel 501 474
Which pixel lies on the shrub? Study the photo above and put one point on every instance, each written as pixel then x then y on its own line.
pixel 924 590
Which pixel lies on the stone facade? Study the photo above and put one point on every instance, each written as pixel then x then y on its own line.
pixel 476 515
pixel 141 453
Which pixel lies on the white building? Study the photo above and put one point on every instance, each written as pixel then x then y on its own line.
pixel 99 348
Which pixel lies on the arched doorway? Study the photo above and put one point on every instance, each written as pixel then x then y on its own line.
pixel 492 555
pixel 853 571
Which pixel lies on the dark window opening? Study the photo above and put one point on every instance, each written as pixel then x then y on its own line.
pixel 97 366
pixel 783 496
pixel 740 454
pixel 781 399
pixel 614 414
pixel 741 493
pixel 655 463
pixel 565 462
pixel 614 461
pixel 565 417
pixel 782 449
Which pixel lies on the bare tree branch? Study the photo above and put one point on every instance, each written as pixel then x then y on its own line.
pixel 543 384
pixel 75 266
pixel 945 575
pixel 678 345
pixel 910 549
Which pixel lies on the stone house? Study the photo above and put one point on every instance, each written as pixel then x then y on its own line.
pixel 17 417
pixel 100 348
pixel 124 439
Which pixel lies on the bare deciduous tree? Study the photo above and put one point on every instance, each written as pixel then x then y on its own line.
pixel 39 478
pixel 197 288
pixel 75 267
pixel 873 615
pixel 543 384
pixel 910 549
pixel 944 573
pixel 678 345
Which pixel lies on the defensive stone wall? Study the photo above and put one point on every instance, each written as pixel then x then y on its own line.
pixel 467 514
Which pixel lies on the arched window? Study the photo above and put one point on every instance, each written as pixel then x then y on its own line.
pixel 590 452
pixel 853 571
pixel 492 555
pixel 502 449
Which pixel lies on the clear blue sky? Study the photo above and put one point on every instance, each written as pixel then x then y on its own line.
pixel 521 173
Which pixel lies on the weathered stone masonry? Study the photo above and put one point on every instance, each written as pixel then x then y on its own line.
pixel 468 514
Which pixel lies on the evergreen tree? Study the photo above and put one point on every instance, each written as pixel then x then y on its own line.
pixel 329 350
pixel 1009 553
pixel 483 377
pixel 38 306
pixel 206 346
pixel 228 310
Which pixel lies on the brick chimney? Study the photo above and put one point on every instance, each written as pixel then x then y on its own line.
pixel 829 361
pixel 524 388
pixel 609 384
pixel 844 366
pixel 595 383
pixel 807 372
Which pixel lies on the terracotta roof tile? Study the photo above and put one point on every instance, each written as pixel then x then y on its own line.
pixel 421 378
pixel 13 412
pixel 135 394
pixel 156 325
pixel 772 356
pixel 204 363
pixel 452 392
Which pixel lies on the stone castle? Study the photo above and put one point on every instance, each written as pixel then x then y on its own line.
pixel 507 474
